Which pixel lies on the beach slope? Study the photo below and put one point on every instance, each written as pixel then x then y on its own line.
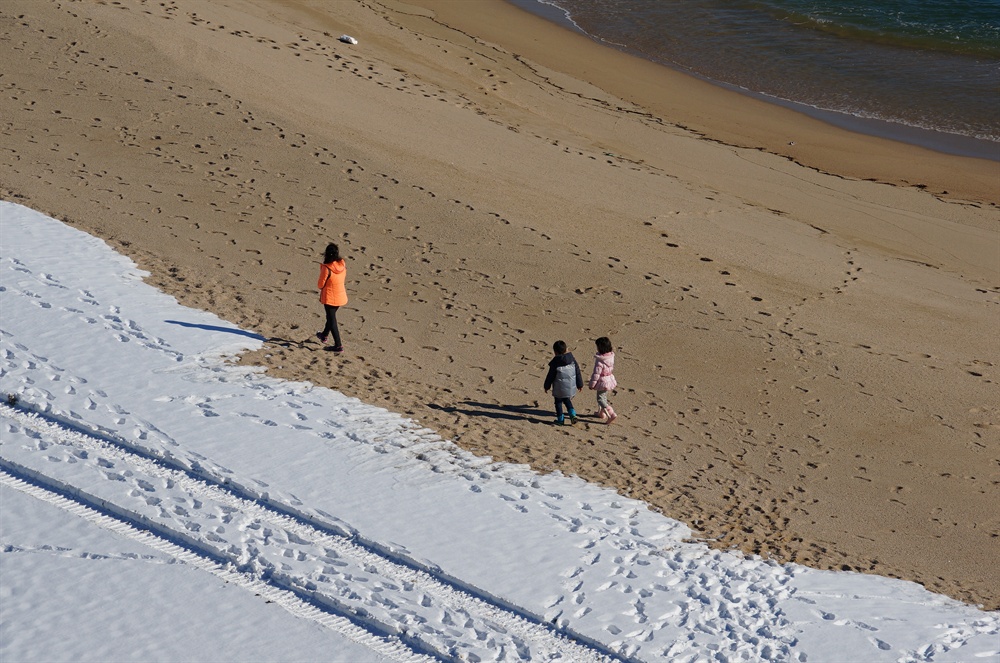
pixel 806 341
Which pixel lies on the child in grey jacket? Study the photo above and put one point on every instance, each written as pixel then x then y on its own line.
pixel 564 379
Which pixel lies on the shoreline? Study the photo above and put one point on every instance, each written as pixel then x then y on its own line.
pixel 934 140
pixel 804 358
pixel 721 113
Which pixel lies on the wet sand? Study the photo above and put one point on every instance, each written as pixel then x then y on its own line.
pixel 806 334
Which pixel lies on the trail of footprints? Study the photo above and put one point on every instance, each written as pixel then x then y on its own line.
pixel 225 162
pixel 690 581
pixel 215 525
pixel 244 181
pixel 322 564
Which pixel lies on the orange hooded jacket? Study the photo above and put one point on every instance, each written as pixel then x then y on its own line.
pixel 331 283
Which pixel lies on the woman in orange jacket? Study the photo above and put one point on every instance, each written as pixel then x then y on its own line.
pixel 332 293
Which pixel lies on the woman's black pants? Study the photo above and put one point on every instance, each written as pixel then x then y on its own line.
pixel 331 324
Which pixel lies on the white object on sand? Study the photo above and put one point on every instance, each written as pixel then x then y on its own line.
pixel 348 39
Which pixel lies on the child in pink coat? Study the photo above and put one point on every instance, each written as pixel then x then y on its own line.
pixel 603 379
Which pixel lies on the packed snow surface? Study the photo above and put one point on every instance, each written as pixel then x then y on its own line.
pixel 162 504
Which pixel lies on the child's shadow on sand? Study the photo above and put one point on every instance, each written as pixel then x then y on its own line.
pixel 531 413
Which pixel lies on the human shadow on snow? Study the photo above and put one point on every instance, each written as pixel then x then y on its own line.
pixel 230 330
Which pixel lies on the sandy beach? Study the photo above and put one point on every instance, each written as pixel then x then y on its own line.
pixel 804 318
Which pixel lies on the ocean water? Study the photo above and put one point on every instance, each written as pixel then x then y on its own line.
pixel 922 71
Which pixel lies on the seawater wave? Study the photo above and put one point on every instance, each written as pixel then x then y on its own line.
pixel 927 65
pixel 971 27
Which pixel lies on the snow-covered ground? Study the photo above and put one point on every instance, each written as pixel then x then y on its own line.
pixel 160 504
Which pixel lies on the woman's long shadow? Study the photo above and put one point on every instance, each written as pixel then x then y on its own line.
pixel 531 413
pixel 216 328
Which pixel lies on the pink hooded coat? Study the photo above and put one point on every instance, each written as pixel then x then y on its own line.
pixel 603 379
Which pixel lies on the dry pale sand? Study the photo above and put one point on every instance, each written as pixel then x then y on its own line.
pixel 807 341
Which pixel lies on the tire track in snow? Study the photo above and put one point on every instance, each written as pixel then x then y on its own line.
pixel 286 599
pixel 387 596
